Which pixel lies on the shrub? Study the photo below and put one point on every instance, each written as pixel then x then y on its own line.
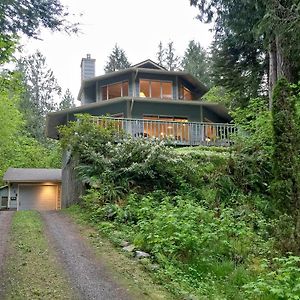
pixel 279 279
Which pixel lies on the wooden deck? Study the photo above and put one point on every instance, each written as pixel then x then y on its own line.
pixel 182 133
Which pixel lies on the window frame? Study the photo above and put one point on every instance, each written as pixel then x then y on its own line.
pixel 114 83
pixel 160 88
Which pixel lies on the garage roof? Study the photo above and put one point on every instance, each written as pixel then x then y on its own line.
pixel 32 175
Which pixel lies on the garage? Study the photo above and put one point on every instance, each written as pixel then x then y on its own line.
pixel 39 197
pixel 33 189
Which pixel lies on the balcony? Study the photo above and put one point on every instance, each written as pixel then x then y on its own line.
pixel 181 133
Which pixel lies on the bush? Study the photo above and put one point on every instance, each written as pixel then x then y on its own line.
pixel 279 279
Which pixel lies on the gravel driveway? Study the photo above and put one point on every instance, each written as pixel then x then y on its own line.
pixel 5 221
pixel 87 274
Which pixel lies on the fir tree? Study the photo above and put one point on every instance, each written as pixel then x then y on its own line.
pixel 117 60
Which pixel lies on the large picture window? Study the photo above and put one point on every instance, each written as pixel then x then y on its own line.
pixel 156 89
pixel 170 127
pixel 115 90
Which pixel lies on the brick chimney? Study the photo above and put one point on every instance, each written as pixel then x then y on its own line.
pixel 87 67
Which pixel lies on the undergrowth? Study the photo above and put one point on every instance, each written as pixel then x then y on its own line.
pixel 206 219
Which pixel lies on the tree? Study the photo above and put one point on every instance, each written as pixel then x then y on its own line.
pixel 218 94
pixel 286 148
pixel 117 60
pixel 255 38
pixel 160 54
pixel 167 58
pixel 41 92
pixel 196 62
pixel 29 16
pixel 17 149
pixel 67 100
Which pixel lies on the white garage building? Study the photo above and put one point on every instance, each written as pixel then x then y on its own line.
pixel 33 189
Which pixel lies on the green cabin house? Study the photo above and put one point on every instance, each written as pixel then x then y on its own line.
pixel 149 101
pixel 145 100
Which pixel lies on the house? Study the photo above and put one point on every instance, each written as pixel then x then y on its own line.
pixel 149 101
pixel 38 189
pixel 145 100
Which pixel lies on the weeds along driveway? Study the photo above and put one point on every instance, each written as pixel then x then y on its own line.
pixel 5 222
pixel 88 275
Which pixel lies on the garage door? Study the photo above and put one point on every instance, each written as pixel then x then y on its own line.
pixel 39 197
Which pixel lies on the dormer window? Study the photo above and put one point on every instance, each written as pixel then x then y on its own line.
pixel 115 90
pixel 156 89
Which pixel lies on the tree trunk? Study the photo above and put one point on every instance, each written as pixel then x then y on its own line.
pixel 272 70
pixel 284 66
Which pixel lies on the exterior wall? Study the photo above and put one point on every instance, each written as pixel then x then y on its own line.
pixel 192 113
pixel 89 94
pixel 13 195
pixel 72 189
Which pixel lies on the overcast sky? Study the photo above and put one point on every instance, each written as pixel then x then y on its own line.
pixel 136 25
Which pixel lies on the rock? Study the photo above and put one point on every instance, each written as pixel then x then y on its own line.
pixel 141 254
pixel 124 244
pixel 154 267
pixel 189 297
pixel 128 248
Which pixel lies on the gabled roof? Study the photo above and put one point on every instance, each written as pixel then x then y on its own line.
pixel 32 175
pixel 149 64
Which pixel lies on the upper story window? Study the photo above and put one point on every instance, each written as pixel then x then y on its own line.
pixel 115 90
pixel 156 89
pixel 186 93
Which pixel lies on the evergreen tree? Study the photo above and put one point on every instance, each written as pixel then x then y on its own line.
pixel 40 95
pixel 172 60
pixel 29 16
pixel 254 40
pixel 167 57
pixel 67 100
pixel 117 60
pixel 196 62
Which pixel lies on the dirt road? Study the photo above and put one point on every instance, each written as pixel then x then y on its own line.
pixel 5 221
pixel 87 274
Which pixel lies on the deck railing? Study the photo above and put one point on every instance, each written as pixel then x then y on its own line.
pixel 181 133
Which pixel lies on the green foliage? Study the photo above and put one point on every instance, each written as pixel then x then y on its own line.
pixel 286 148
pixel 117 60
pixel 28 17
pixel 244 33
pixel 279 279
pixel 7 48
pixel 218 94
pixel 238 55
pixel 252 162
pixel 115 165
pixel 67 101
pixel 40 93
pixel 196 62
pixel 206 215
pixel 17 148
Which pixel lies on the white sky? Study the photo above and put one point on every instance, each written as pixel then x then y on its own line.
pixel 136 25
